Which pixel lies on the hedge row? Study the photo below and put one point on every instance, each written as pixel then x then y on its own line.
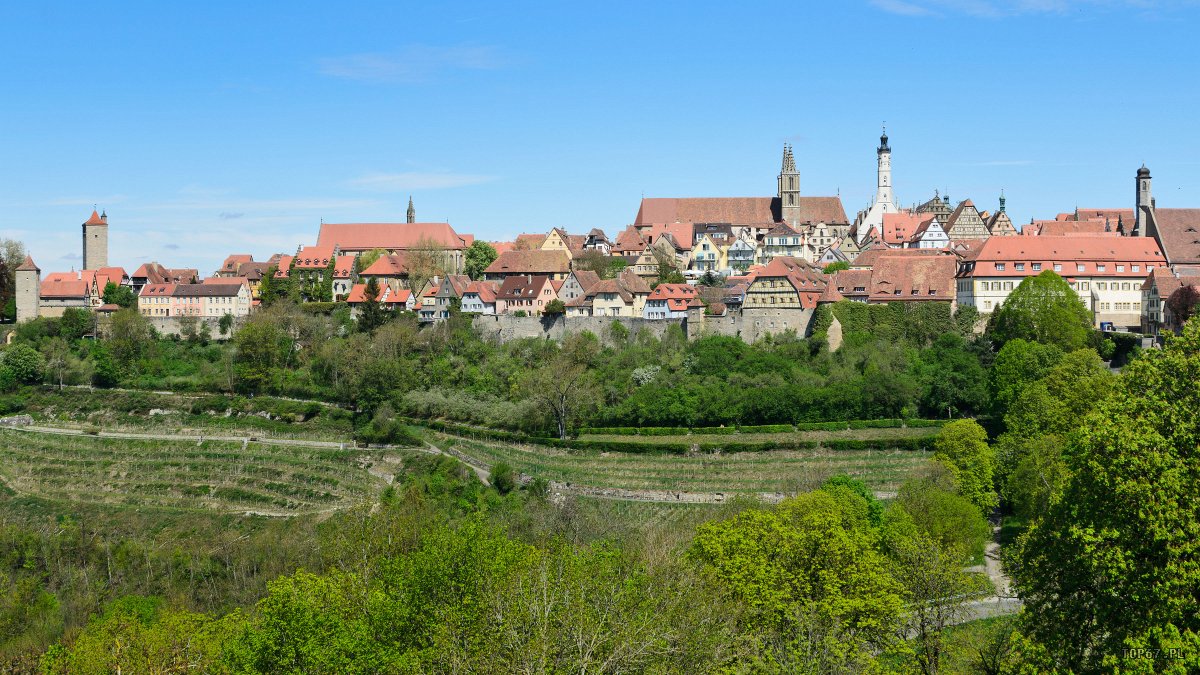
pixel 763 428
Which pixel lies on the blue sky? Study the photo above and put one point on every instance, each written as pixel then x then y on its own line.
pixel 219 127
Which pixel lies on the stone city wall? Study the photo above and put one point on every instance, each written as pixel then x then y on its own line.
pixel 750 325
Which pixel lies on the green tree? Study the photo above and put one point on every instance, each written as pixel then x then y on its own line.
pixel 477 257
pixel 107 372
pixel 1018 364
pixel 962 447
pixel 951 521
pixel 25 363
pixel 1043 309
pixel 834 267
pixel 57 354
pixel 371 314
pixel 565 384
pixel 75 323
pixel 225 324
pixel 819 594
pixel 1115 561
pixel 936 586
pixel 554 307
pixel 117 294
pixel 130 336
pixel 953 378
pixel 260 348
pixel 269 289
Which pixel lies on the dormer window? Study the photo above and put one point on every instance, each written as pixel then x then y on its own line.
pixel 999 267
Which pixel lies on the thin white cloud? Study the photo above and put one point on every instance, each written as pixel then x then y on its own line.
pixel 902 8
pixel 416 180
pixel 413 63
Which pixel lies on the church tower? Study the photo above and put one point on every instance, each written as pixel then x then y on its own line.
pixel 789 188
pixel 29 290
pixel 1143 212
pixel 412 213
pixel 883 191
pixel 95 241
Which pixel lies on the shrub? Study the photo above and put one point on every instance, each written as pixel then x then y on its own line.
pixel 663 431
pixel 25 363
pixel 876 424
pixel 767 429
pixel 504 478
pixel 822 426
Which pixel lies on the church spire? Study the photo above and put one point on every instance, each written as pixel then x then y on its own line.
pixel 789 161
pixel 412 213
pixel 883 141
pixel 789 187
pixel 1002 201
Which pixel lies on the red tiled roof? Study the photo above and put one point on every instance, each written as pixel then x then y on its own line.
pixel 1179 231
pixel 387 296
pixel 343 267
pixel 234 260
pixel 313 257
pixel 680 234
pixel 501 246
pixel 283 266
pixel 28 265
pixel 157 290
pixel 95 219
pixel 486 290
pixel 1056 228
pixel 388 266
pixel 629 240
pixel 522 287
pixel 901 227
pixel 389 236
pixel 871 256
pixel 759 211
pixel 677 295
pixel 64 285
pixel 899 278
pixel 530 262
pixel 528 242
pixel 1088 251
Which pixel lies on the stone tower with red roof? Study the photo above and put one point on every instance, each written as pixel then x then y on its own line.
pixel 95 241
pixel 29 290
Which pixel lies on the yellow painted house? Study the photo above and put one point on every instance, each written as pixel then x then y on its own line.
pixel 709 254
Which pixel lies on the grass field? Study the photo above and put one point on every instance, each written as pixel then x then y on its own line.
pixel 744 473
pixel 220 476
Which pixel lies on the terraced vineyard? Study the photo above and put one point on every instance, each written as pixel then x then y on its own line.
pixel 736 473
pixel 181 474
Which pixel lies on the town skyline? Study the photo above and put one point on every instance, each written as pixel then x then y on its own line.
pixel 270 136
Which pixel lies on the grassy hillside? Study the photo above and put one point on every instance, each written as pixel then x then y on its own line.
pixel 736 473
pixel 220 476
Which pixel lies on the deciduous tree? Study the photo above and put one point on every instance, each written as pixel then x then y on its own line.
pixel 962 447
pixel 477 257
pixel 1043 309
pixel 1115 562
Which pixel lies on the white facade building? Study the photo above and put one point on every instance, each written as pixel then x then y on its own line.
pixel 1107 272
